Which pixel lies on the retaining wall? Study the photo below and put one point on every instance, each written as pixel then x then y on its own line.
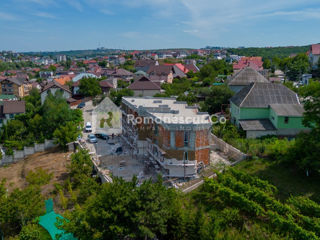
pixel 227 149
pixel 20 155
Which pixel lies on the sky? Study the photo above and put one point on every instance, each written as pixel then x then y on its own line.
pixel 55 25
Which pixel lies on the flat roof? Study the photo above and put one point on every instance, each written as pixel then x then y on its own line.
pixel 169 110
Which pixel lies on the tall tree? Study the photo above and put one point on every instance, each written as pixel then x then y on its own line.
pixel 90 87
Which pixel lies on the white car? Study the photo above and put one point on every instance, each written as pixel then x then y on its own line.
pixel 88 127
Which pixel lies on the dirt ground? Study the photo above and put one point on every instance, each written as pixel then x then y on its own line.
pixel 53 161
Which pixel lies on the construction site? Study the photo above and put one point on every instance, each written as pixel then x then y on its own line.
pixel 158 136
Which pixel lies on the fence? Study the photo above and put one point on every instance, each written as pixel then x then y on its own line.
pixel 19 155
pixel 230 151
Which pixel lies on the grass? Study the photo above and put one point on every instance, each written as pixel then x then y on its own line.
pixel 288 180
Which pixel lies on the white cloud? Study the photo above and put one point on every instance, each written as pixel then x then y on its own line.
pixel 75 4
pixel 8 17
pixel 44 15
pixel 107 12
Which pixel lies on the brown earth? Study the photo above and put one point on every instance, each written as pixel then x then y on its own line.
pixel 54 161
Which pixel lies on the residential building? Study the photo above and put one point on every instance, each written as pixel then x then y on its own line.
pixel 305 78
pixel 314 55
pixel 161 73
pixel 245 77
pixel 12 86
pixel 253 62
pixel 9 109
pixel 54 87
pixel 108 84
pixel 119 73
pixel 173 135
pixel 144 64
pixel 144 87
pixel 267 109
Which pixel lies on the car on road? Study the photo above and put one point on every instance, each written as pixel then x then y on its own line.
pixel 81 105
pixel 102 136
pixel 88 127
pixel 92 138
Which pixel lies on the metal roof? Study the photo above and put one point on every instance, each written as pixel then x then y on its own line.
pixel 257 125
pixel 246 76
pixel 294 110
pixel 261 95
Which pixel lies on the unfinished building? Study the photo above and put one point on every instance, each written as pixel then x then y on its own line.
pixel 168 133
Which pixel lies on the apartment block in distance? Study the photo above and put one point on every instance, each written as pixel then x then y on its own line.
pixel 168 133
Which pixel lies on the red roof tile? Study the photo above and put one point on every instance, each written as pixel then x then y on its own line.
pixel 315 49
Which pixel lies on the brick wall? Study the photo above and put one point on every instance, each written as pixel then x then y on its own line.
pixel 202 138
pixel 179 139
pixel 203 155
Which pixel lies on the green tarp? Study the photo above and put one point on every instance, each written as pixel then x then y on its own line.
pixel 49 220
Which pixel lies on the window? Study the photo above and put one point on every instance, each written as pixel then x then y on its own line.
pixel 186 139
pixel 185 156
pixel 156 130
pixel 286 120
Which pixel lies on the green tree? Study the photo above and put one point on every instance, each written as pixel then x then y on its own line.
pixel 124 210
pixel 89 87
pixel 267 63
pixel 30 232
pixel 217 100
pixel 116 96
pixel 52 68
pixel 66 134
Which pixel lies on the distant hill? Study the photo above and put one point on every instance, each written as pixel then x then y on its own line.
pixel 76 53
pixel 269 52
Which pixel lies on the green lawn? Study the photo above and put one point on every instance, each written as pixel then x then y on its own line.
pixel 286 178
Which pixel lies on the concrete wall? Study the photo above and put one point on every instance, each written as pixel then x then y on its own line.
pixel 19 155
pixel 29 151
pixel 145 93
pixel 39 147
pixel 49 144
pixel 227 149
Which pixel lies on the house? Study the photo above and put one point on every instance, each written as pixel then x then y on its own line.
pixel 253 62
pixel 83 75
pixel 54 87
pixel 305 78
pixel 119 73
pixel 161 73
pixel 9 109
pixel 267 109
pixel 144 64
pixel 245 77
pixel 172 135
pixel 145 87
pixel 12 86
pixel 108 84
pixel 314 55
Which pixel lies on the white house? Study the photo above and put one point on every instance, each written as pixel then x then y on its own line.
pixel 53 87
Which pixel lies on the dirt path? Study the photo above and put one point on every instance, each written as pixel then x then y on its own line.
pixel 53 161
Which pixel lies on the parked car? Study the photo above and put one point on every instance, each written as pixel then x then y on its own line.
pixel 92 138
pixel 102 136
pixel 81 105
pixel 88 127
